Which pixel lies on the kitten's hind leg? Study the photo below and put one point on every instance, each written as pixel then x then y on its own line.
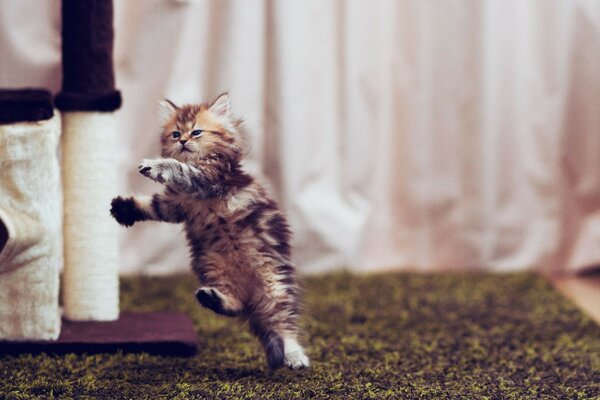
pixel 219 302
pixel 294 357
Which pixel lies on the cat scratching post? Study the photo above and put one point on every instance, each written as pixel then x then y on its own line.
pixel 30 216
pixel 87 101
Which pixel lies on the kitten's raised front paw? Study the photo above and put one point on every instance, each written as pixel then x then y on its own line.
pixel 152 169
pixel 125 211
pixel 296 360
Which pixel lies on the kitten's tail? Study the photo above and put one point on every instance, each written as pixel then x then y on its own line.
pixel 273 344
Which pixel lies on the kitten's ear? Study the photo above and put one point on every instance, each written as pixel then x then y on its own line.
pixel 167 109
pixel 221 106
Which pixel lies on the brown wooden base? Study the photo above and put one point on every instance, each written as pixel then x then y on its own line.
pixel 160 333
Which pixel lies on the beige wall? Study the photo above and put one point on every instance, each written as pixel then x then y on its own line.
pixel 397 134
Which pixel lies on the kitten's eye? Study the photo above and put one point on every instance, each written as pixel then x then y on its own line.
pixel 175 135
pixel 196 133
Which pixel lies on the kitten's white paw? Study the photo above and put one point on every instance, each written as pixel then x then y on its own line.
pixel 296 360
pixel 152 169
pixel 294 357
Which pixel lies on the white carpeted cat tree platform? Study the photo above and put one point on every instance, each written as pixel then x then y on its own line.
pixel 32 224
pixel 30 216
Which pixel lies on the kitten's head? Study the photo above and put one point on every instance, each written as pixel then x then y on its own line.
pixel 192 132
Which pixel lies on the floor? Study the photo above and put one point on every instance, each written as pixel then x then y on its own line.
pixel 379 336
pixel 583 290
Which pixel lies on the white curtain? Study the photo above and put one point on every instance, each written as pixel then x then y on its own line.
pixel 417 134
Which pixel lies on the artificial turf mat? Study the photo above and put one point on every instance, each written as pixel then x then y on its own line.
pixel 403 336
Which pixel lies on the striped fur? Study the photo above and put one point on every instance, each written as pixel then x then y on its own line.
pixel 238 237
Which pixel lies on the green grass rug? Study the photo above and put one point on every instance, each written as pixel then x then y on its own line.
pixel 400 336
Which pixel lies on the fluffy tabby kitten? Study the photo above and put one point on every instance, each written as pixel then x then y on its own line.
pixel 238 237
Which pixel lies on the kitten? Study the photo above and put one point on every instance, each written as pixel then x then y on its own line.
pixel 238 236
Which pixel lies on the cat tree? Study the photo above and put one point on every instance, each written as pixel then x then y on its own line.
pixel 31 250
pixel 30 216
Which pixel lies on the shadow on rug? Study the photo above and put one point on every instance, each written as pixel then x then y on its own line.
pixel 379 336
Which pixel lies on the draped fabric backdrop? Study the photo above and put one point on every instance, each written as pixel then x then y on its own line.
pixel 396 134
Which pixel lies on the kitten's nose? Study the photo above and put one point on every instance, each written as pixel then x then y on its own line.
pixel 183 141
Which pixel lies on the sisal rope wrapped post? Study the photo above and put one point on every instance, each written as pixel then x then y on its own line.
pixel 30 216
pixel 87 101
